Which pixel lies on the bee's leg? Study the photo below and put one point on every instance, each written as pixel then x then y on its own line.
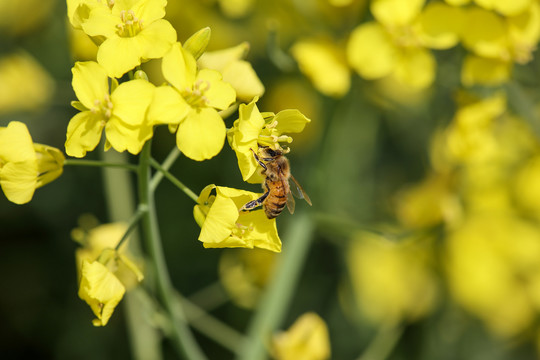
pixel 258 160
pixel 254 203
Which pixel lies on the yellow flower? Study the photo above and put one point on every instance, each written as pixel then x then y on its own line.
pixel 121 112
pixel 306 339
pixel 397 43
pixel 245 273
pixel 392 281
pixel 25 166
pixel 134 31
pixel 493 271
pixel 236 71
pixel 100 240
pixel 25 84
pixel 324 64
pixel 223 225
pixel 497 42
pixel 101 290
pixel 20 17
pixel 267 129
pixel 201 131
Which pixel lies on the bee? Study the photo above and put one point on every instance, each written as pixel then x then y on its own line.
pixel 277 190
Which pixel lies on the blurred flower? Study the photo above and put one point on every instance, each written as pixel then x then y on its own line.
pixel 200 134
pixel 236 8
pixel 102 238
pixel 245 274
pixel 223 225
pixel 494 270
pixel 101 290
pixel 25 84
pixel 497 42
pixel 236 71
pixel 104 272
pixel 392 281
pixel 306 339
pixel 81 46
pixel 25 166
pixel 20 17
pixel 397 43
pixel 121 112
pixel 134 31
pixel 267 129
pixel 324 64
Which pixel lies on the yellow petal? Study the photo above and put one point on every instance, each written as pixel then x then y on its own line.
pixel 89 82
pixel 416 68
pixel 122 136
pixel 116 65
pixel 440 25
pixel 219 59
pixel 219 94
pixel 201 134
pixel 50 163
pixel 396 12
pixel 244 80
pixel 179 68
pixel 16 143
pixel 168 107
pixel 83 133
pixel 149 11
pixel 524 33
pixel 323 65
pixel 307 338
pixel 101 290
pixel 131 100
pixel 505 7
pixel 19 180
pixel 219 222
pixel 290 121
pixel 485 34
pixel 156 39
pixel 370 51
pixel 482 71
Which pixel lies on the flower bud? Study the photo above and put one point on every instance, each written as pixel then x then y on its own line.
pixel 198 42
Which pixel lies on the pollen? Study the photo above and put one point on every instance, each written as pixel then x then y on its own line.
pixel 103 107
pixel 131 25
pixel 196 96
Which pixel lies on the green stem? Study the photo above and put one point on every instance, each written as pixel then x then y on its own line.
pixel 132 224
pixel 181 335
pixel 174 180
pixel 169 161
pixel 98 163
pixel 383 343
pixel 274 304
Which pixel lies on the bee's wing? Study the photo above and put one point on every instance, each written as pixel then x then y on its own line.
pixel 297 190
pixel 290 202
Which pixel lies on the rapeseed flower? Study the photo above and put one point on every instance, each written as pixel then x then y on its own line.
pixel 265 129
pixel 392 281
pixel 24 165
pixel 324 64
pixel 236 71
pixel 200 132
pixel 121 112
pixel 398 43
pixel 223 225
pixel 498 42
pixel 306 339
pixel 133 32
pixel 105 274
pixel 504 7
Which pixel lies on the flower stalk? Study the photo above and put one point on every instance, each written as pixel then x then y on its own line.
pixel 181 336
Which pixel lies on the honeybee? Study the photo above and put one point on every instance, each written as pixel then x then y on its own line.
pixel 277 190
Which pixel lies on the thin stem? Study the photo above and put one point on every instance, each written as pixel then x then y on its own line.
pixel 383 343
pixel 169 161
pixel 98 163
pixel 274 304
pixel 210 326
pixel 174 180
pixel 132 224
pixel 181 335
